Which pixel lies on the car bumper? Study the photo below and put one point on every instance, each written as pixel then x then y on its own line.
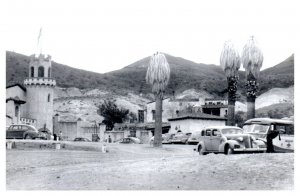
pixel 177 141
pixel 249 150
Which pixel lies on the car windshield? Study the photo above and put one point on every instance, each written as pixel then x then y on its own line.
pixel 255 128
pixel 231 131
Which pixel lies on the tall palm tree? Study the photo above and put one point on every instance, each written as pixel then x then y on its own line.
pixel 252 59
pixel 158 75
pixel 230 63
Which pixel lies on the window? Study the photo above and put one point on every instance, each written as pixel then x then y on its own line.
pixel 15 128
pixel 41 71
pixel 48 97
pixel 215 132
pixel 24 128
pixel 32 72
pixel 16 111
pixel 49 72
pixel 141 116
pixel 153 114
pixel 208 132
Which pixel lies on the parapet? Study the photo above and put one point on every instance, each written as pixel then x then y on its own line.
pixel 40 58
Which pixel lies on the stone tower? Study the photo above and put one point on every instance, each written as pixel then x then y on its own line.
pixel 39 91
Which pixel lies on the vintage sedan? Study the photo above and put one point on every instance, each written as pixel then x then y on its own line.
pixel 194 139
pixel 22 131
pixel 81 139
pixel 227 140
pixel 180 138
pixel 129 140
pixel 166 138
pixel 282 132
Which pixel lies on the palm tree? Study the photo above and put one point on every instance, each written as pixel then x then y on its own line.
pixel 158 75
pixel 230 63
pixel 252 59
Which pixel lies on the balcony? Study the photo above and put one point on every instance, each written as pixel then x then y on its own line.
pixel 40 81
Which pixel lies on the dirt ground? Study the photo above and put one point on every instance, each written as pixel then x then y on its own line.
pixel 140 167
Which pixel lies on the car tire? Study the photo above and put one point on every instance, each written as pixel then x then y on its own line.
pixel 229 150
pixel 201 151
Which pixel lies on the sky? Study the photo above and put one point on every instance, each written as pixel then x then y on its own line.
pixel 103 36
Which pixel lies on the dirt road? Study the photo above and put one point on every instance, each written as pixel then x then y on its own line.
pixel 140 167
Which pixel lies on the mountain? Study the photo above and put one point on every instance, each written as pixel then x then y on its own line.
pixel 185 75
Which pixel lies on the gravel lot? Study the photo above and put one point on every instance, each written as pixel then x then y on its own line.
pixel 140 167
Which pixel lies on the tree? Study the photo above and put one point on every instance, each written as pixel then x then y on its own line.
pixel 158 75
pixel 240 118
pixel 112 114
pixel 252 59
pixel 230 63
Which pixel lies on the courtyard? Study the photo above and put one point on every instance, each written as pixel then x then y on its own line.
pixel 141 167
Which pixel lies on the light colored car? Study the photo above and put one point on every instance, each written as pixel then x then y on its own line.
pixel 180 138
pixel 22 131
pixel 194 139
pixel 81 139
pixel 129 140
pixel 166 138
pixel 227 140
pixel 283 131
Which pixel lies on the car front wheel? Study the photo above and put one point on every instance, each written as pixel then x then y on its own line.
pixel 229 150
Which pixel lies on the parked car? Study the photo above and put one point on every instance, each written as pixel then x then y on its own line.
pixel 260 128
pixel 22 131
pixel 180 138
pixel 129 140
pixel 227 140
pixel 194 138
pixel 166 138
pixel 47 133
pixel 81 139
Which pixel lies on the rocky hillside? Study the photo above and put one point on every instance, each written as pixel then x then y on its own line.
pixel 185 75
pixel 73 103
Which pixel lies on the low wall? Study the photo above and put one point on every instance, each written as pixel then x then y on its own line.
pixel 143 135
pixel 70 130
pixel 48 144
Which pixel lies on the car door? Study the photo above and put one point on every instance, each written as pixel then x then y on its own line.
pixel 215 139
pixel 206 138
pixel 14 132
pixel 22 130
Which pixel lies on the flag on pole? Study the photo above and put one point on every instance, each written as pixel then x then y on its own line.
pixel 39 44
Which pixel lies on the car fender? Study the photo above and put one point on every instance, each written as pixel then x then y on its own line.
pixel 201 143
pixel 231 144
pixel 31 133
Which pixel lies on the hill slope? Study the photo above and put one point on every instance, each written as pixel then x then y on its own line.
pixel 185 74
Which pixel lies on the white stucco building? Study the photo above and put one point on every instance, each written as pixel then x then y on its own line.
pixel 195 122
pixel 171 108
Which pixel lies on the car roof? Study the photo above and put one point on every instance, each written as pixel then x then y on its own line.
pixel 221 127
pixel 268 121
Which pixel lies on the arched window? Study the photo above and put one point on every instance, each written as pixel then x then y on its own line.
pixel 49 72
pixel 41 72
pixel 16 111
pixel 48 97
pixel 32 72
